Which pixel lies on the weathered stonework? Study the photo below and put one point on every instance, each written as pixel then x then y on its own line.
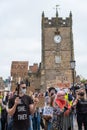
pixel 56 57
pixel 2 85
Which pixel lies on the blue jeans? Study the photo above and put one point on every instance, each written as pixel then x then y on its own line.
pixel 10 125
pixel 31 123
pixel 49 125
pixel 36 121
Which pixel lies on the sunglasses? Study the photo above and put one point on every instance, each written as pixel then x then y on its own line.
pixel 23 87
pixel 60 95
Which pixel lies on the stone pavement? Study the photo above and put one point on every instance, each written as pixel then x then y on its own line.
pixel 75 124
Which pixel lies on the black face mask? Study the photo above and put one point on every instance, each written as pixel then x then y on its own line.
pixel 81 94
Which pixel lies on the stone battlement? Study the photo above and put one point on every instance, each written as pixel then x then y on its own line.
pixel 53 22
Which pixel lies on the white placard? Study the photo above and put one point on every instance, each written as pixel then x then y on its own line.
pixel 47 110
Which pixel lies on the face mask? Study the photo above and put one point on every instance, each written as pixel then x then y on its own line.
pixel 23 90
pixel 81 94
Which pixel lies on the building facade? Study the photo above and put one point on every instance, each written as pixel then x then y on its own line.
pixel 57 51
pixel 2 84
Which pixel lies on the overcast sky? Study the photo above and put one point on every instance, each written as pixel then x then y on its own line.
pixel 20 31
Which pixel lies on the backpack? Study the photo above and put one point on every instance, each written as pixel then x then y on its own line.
pixel 70 98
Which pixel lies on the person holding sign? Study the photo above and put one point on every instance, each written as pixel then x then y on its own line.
pixel 48 113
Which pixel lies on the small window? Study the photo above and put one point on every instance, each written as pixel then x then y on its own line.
pixel 57 59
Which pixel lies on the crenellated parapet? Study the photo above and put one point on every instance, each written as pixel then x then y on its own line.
pixel 56 21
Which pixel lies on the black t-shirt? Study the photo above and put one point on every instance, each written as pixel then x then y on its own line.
pixel 81 106
pixel 21 115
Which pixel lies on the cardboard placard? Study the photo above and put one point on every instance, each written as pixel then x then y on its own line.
pixel 41 102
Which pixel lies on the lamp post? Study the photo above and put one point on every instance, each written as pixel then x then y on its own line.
pixel 72 63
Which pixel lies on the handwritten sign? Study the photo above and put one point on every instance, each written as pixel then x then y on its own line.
pixel 47 110
pixel 19 68
pixel 41 102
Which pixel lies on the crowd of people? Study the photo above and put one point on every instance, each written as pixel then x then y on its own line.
pixel 20 111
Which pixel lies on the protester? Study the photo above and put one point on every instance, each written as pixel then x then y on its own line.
pixel 0 108
pixel 4 111
pixel 26 113
pixel 20 107
pixel 61 112
pixel 86 87
pixel 48 113
pixel 52 93
pixel 81 110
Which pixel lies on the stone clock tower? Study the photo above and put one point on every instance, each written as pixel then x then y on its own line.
pixel 57 51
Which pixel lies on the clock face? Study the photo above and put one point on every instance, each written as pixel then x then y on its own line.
pixel 57 38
